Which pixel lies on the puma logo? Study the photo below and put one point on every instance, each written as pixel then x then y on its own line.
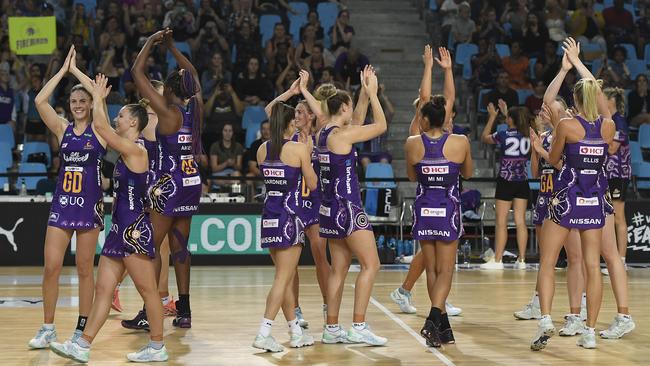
pixel 10 234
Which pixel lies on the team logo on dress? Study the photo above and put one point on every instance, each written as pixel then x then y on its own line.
pixel 361 220
pixel 268 223
pixel 555 201
pixel 161 191
pixel 54 217
pixel 275 173
pixel 191 181
pixel 324 210
pixel 324 158
pixel 75 157
pixel 88 146
pixel 435 169
pixel 591 201
pixel 138 235
pixel 592 150
pixel 433 212
pixel 589 171
pixel 184 139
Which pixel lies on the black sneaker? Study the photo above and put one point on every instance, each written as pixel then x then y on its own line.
pixel 140 322
pixel 183 321
pixel 431 333
pixel 447 336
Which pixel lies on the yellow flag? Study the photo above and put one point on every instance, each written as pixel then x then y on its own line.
pixel 32 35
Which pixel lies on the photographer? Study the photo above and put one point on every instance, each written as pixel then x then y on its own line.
pixel 180 19
pixel 206 44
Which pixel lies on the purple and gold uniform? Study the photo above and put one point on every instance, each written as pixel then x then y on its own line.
pixel 515 150
pixel 310 200
pixel 547 173
pixel 618 167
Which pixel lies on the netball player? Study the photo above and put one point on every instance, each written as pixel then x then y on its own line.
pixel 78 202
pixel 402 295
pixel 342 218
pixel 512 183
pixel 129 244
pixel 435 159
pixel 578 198
pixel 282 161
pixel 176 192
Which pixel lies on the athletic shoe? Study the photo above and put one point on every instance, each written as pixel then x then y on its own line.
pixel 268 344
pixel 545 331
pixel 529 312
pixel 115 304
pixel 301 319
pixel 301 340
pixel 404 301
pixel 170 308
pixel 340 336
pixel 604 271
pixel 621 326
pixel 447 336
pixel 587 339
pixel 43 338
pixel 76 335
pixel 366 336
pixel 183 321
pixel 452 310
pixel 140 322
pixel 431 333
pixel 572 326
pixel 520 265
pixel 71 350
pixel 149 354
pixel 492 265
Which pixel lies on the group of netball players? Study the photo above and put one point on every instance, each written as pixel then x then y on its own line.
pixel 157 188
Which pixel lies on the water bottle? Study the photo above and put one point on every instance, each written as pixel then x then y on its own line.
pixel 400 248
pixel 466 250
pixel 23 188
pixel 380 242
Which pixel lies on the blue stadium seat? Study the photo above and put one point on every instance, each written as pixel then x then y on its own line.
pixel 523 94
pixel 464 52
pixel 35 147
pixel 502 127
pixel 644 136
pixel 629 49
pixel 532 185
pixel 380 170
pixel 433 5
pixel 7 135
pixel 183 47
pixel 253 116
pixel 636 156
pixel 596 65
pixel 327 14
pixel 251 134
pixel 296 21
pixel 637 67
pixel 643 172
pixel 503 50
pixel 6 156
pixel 267 25
pixel 3 180
pixel 646 54
pixel 30 182
pixel 531 67
pixel 630 8
pixel 89 5
pixel 481 94
pixel 113 111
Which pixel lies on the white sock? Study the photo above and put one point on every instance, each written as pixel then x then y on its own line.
pixel 625 316
pixel 294 327
pixel 265 327
pixel 49 326
pixel 546 316
pixel 325 313
pixel 535 300
pixel 403 291
pixel 165 300
pixel 590 330
pixel 359 326
pixel 583 302
pixel 332 328
pixel 82 342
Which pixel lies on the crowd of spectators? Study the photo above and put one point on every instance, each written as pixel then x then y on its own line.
pixel 240 65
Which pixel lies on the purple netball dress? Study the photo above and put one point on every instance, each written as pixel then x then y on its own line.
pixel 310 200
pixel 152 153
pixel 177 189
pixel 515 149
pixel 618 167
pixel 78 202
pixel 341 210
pixel 281 223
pixel 547 173
pixel 131 232
pixel 436 210
pixel 579 196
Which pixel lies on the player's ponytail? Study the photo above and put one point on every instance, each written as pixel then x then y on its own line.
pixel 585 92
pixel 281 116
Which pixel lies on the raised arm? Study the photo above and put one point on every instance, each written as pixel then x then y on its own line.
pixel 52 120
pixel 288 94
pixel 554 87
pixel 449 89
pixel 425 83
pixel 181 60
pixel 313 103
pixel 354 134
pixel 361 109
pixel 534 159
pixel 486 136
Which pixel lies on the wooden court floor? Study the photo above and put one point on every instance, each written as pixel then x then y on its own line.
pixel 228 302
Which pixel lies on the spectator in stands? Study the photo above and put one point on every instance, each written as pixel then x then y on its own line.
pixel 215 74
pixel 449 11
pixel 534 102
pixel 223 106
pixel 313 21
pixel 516 13
pixel 348 66
pixel 226 156
pixel 180 19
pixel 615 73
pixel 35 129
pixel 490 28
pixel 207 13
pixel 586 26
pixel 138 32
pixel 533 36
pixel 251 84
pixel 242 13
pixel 251 153
pixel 316 63
pixel 639 102
pixel 555 16
pixel 463 27
pixel 341 33
pixel 7 98
pixel 642 30
pixel 619 23
pixel 206 44
pixel 305 48
pixel 286 77
pixel 516 65
pixel 549 63
pixel 107 66
pixel 278 49
pixel 247 46
pixel 502 91
pixel 485 65
pixel 80 22
pixel 112 37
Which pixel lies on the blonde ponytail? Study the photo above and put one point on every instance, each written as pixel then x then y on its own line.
pixel 586 93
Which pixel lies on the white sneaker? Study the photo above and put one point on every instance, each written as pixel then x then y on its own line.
pixel 43 338
pixel 583 312
pixel 530 311
pixel 604 271
pixel 340 336
pixel 301 319
pixel 587 339
pixel 573 326
pixel 492 265
pixel 301 340
pixel 149 354
pixel 545 330
pixel 520 265
pixel 71 350
pixel 452 310
pixel 365 336
pixel 268 344
pixel 404 301
pixel 622 325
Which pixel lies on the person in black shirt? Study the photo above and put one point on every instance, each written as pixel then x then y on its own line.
pixel 502 92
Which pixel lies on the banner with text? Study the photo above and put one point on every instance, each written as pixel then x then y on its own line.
pixel 32 35
pixel 638 231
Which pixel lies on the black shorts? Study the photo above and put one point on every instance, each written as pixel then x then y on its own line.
pixel 618 188
pixel 507 190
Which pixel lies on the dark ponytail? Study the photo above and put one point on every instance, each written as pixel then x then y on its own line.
pixel 184 86
pixel 522 119
pixel 434 112
pixel 281 116
pixel 139 111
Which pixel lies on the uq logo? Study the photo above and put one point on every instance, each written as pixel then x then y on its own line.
pixel 592 150
pixel 435 169
pixel 274 173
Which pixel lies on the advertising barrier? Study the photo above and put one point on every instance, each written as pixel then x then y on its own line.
pixel 32 35
pixel 637 214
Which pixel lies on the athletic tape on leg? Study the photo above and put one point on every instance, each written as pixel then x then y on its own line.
pixel 182 254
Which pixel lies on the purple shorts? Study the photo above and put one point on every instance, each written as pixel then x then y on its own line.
pixel 340 218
